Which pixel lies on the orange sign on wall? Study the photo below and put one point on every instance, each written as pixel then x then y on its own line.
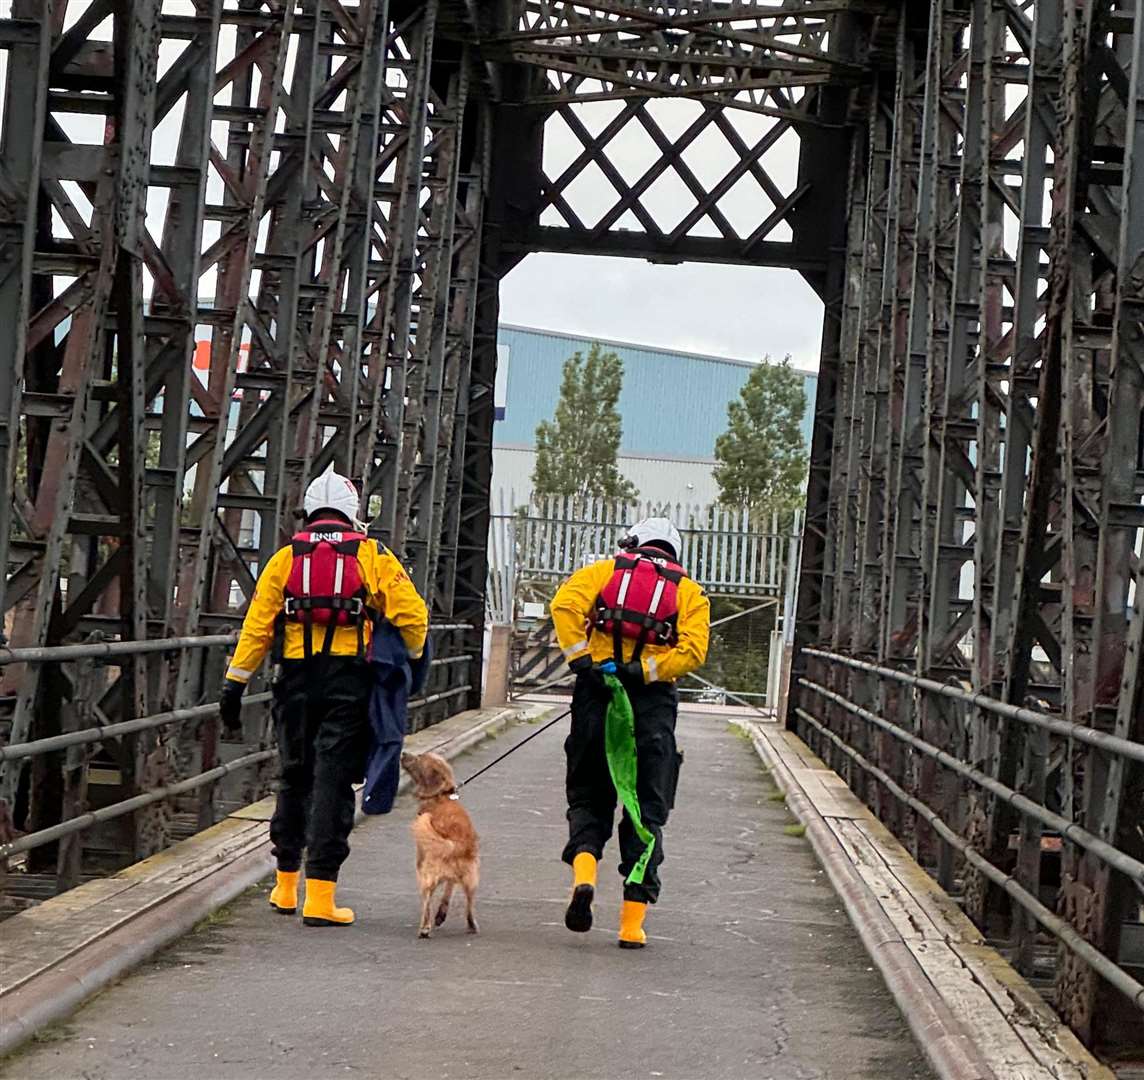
pixel 202 357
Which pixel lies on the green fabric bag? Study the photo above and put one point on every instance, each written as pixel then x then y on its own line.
pixel 620 747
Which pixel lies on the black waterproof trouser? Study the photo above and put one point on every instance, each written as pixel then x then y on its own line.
pixel 321 718
pixel 591 794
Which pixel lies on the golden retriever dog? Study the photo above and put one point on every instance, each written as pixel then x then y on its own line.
pixel 445 838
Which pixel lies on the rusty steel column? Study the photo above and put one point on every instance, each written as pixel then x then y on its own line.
pixel 827 170
pixel 408 243
pixel 458 345
pixel 884 580
pixel 1102 348
pixel 246 174
pixel 25 104
pixel 421 423
pixel 940 613
pixel 958 491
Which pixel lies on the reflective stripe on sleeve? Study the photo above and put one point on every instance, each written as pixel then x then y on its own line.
pixel 652 669
pixel 574 650
pixel 239 674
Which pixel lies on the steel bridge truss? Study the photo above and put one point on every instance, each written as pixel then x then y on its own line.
pixel 242 241
pixel 240 246
pixel 974 589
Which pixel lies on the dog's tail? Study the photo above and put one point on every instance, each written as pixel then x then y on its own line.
pixel 430 839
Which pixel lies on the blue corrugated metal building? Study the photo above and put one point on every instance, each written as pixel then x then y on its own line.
pixel 674 407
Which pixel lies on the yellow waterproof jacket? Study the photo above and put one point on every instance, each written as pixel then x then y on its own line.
pixel 573 607
pixel 389 591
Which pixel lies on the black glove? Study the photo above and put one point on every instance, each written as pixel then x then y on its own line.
pixel 230 706
pixel 591 677
pixel 632 671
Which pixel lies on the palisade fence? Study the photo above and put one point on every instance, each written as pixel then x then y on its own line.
pixel 730 552
pixel 747 564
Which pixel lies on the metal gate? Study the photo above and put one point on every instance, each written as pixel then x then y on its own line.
pixel 748 566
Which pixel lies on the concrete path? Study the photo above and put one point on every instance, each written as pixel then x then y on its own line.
pixel 753 970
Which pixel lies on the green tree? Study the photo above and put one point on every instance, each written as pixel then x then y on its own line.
pixel 576 450
pixel 761 457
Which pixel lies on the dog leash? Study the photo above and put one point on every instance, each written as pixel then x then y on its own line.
pixel 513 749
pixel 532 690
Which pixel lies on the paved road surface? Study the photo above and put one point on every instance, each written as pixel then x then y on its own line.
pixel 753 970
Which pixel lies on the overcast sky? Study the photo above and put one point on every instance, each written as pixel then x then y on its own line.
pixel 735 311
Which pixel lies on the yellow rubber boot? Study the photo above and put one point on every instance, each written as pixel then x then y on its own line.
pixel 284 897
pixel 632 934
pixel 319 909
pixel 578 917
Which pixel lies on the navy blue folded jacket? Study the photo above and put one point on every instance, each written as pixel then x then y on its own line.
pixel 395 679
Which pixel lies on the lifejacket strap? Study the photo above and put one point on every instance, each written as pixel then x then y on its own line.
pixel 354 604
pixel 307 621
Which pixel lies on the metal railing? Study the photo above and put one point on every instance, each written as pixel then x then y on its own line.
pixel 828 714
pixel 453 675
pixel 99 650
pixel 30 841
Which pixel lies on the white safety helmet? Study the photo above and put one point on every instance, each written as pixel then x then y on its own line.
pixel 332 491
pixel 655 530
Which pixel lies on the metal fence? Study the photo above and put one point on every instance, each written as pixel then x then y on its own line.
pixel 163 766
pixel 930 758
pixel 747 564
pixel 729 552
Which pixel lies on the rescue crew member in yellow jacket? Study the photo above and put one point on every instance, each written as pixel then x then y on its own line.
pixel 641 611
pixel 323 591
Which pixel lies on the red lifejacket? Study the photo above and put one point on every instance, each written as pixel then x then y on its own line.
pixel 325 586
pixel 640 602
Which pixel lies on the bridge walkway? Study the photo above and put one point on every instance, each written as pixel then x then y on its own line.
pixel 753 970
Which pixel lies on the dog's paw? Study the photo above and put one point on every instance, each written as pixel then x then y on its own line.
pixel 424 933
pixel 474 928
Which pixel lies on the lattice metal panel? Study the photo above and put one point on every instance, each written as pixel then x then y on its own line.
pixel 746 55
pixel 696 155
pixel 292 204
